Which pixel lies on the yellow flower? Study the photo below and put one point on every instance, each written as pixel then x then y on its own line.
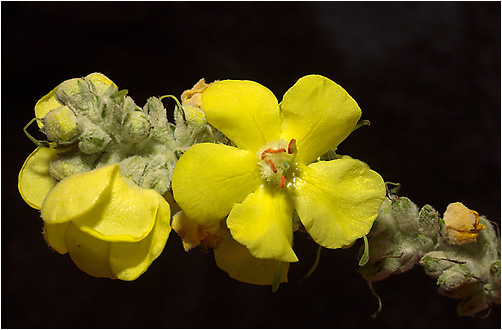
pixel 110 226
pixel 461 224
pixel 273 169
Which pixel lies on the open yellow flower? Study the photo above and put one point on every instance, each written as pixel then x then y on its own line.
pixel 110 226
pixel 273 170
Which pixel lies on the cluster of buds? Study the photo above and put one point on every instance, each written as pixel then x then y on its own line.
pixel 461 250
pixel 91 123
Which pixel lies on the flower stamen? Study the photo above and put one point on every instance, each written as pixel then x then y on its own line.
pixel 272 165
pixel 283 181
pixel 271 151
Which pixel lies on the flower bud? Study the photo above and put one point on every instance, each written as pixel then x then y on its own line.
pixel 93 140
pixel 60 125
pixel 101 84
pixel 461 224
pixel 194 117
pixel 135 126
pixel 65 166
pixel 157 179
pixel 75 92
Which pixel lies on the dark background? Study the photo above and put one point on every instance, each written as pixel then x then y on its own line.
pixel 427 76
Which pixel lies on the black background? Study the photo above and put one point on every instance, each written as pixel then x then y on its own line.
pixel 427 76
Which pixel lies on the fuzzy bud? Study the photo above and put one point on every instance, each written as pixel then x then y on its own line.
pixel 60 125
pixel 135 126
pixel 93 140
pixel 75 93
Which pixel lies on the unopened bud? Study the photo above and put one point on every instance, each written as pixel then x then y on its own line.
pixel 135 126
pixel 101 84
pixel 75 92
pixel 65 166
pixel 93 140
pixel 60 125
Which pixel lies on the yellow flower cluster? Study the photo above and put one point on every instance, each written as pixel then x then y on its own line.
pixel 239 199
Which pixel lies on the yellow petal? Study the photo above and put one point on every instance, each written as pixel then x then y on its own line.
pixel 124 213
pixel 338 200
pixel 235 259
pixel 55 236
pixel 245 111
pixel 77 194
pixel 130 260
pixel 319 114
pixel 263 223
pixel 46 104
pixel 35 180
pixel 209 178
pixel 90 254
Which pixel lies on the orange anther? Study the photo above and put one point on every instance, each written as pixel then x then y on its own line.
pixel 292 146
pixel 266 151
pixel 271 163
pixel 283 181
pixel 271 151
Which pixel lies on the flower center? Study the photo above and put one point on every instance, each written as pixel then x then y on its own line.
pixel 275 160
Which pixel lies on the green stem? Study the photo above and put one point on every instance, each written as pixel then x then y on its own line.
pixel 38 143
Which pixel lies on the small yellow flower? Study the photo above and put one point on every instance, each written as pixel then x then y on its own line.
pixel 110 226
pixel 461 224
pixel 273 169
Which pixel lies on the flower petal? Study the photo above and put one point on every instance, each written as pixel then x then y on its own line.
pixel 130 260
pixel 90 254
pixel 338 200
pixel 55 236
pixel 124 213
pixel 319 114
pixel 235 259
pixel 209 178
pixel 80 192
pixel 245 111
pixel 46 104
pixel 263 223
pixel 35 180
